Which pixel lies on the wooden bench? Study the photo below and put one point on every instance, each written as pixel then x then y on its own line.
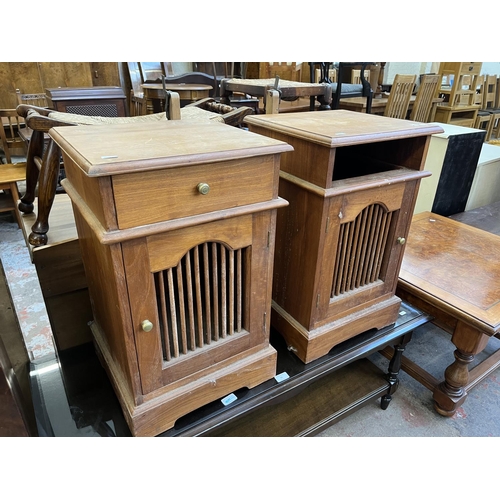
pixel 452 271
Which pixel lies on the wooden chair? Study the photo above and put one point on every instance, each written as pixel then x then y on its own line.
pixel 342 89
pixel 39 99
pixel 137 103
pixel 491 106
pixel 495 129
pixel 356 76
pixel 10 175
pixel 151 72
pixel 422 106
pixel 13 146
pixel 484 119
pixel 400 95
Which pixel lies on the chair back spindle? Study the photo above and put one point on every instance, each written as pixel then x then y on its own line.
pixel 400 95
pixel 425 95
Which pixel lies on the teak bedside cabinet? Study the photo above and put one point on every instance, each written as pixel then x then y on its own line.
pixel 351 183
pixel 176 223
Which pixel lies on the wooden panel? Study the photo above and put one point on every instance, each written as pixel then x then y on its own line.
pixel 235 232
pixel 56 74
pixel 35 77
pixel 8 98
pixel 69 315
pixel 24 76
pixel 107 287
pixel 105 74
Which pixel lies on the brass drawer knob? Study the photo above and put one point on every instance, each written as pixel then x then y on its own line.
pixel 401 240
pixel 203 188
pixel 146 325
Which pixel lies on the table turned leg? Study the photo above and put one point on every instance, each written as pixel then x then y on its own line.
pixel 35 149
pixel 394 369
pixel 451 393
pixel 47 185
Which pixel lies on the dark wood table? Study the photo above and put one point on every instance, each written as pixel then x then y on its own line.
pixel 287 90
pixel 452 271
pixel 303 399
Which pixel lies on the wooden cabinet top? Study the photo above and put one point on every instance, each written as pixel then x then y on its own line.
pixel 341 127
pixel 79 93
pixel 132 147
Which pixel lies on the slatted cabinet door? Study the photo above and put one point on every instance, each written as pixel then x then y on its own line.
pixel 364 244
pixel 194 296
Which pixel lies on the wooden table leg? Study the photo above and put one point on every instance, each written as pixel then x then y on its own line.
pixel 451 393
pixel 394 369
pixel 47 184
pixel 35 149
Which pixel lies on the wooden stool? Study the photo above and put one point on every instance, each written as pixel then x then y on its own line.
pixel 10 174
pixel 452 271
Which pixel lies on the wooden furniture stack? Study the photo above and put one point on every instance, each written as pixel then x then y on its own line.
pixel 176 223
pixel 458 107
pixel 351 183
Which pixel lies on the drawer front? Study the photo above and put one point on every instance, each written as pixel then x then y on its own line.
pixel 161 195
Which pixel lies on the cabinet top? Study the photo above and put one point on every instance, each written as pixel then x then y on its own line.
pixel 341 127
pixel 101 150
pixel 78 93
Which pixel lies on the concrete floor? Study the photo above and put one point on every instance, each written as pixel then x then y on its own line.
pixel 410 414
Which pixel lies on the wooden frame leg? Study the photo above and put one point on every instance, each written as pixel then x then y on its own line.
pixel 394 369
pixel 451 393
pixel 272 102
pixel 35 149
pixel 47 185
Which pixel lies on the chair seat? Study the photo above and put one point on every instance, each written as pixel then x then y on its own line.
pixel 187 113
pixel 103 120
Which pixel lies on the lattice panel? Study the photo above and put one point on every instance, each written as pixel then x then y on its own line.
pixel 200 301
pixel 361 250
pixel 109 110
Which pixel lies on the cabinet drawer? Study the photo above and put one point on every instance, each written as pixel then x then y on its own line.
pixel 471 67
pixel 162 195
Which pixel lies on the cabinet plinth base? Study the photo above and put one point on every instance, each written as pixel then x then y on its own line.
pixel 161 412
pixel 309 345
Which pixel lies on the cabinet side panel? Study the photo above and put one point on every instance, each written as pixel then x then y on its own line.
pixel 299 236
pixel 109 299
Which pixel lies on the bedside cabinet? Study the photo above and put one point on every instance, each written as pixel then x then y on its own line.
pixel 351 183
pixel 176 223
